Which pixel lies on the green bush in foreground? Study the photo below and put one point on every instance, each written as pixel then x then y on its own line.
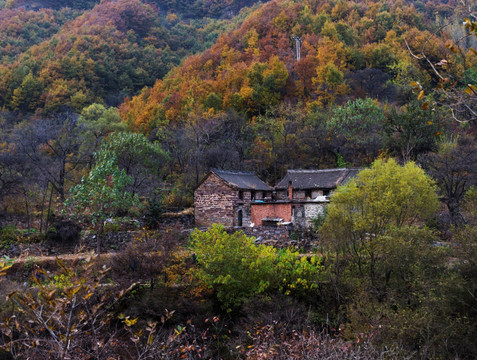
pixel 237 269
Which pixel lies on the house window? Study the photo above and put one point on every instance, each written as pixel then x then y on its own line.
pixel 252 195
pixel 326 192
pixel 240 218
pixel 241 195
pixel 308 194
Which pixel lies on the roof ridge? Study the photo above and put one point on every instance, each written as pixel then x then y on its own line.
pixel 235 172
pixel 318 170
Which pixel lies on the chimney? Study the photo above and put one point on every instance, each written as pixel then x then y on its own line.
pixel 290 191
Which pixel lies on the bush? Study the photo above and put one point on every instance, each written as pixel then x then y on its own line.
pixel 296 274
pixel 155 208
pixel 68 315
pixel 64 232
pixel 145 257
pixel 273 341
pixel 232 265
pixel 237 269
pixel 8 236
pixel 30 236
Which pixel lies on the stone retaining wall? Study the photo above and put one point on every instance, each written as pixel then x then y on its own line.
pixel 117 241
pixel 277 236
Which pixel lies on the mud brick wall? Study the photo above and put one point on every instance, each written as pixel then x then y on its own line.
pixel 271 210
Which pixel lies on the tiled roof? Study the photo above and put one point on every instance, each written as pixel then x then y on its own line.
pixel 242 180
pixel 317 179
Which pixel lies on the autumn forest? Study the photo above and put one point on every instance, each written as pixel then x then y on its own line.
pixel 113 111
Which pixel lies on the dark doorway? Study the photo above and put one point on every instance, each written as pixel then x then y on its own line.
pixel 240 218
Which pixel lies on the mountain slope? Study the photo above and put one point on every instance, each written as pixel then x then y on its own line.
pixel 348 49
pixel 108 52
pixel 21 29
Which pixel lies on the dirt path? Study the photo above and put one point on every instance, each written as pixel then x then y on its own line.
pixel 65 257
pixel 23 266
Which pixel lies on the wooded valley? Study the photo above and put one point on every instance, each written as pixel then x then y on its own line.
pixel 113 111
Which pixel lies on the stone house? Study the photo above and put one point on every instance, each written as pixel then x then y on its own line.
pixel 235 198
pixel 300 197
pixel 313 184
pixel 225 197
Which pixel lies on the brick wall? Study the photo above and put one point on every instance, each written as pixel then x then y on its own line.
pixel 300 213
pixel 271 210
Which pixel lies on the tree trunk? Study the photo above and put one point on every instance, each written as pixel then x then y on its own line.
pixel 49 209
pixel 43 207
pixel 99 235
pixel 27 208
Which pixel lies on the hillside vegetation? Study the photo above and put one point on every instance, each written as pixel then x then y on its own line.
pixel 108 52
pixel 111 113
pixel 349 50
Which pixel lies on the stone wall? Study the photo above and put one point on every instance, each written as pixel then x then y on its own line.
pixel 298 215
pixel 312 210
pixel 278 236
pixel 112 241
pixel 217 203
pixel 214 202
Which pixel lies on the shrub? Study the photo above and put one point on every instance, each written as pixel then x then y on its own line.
pixel 68 321
pixel 155 208
pixel 64 232
pixel 275 342
pixel 145 257
pixel 232 264
pixel 8 236
pixel 296 273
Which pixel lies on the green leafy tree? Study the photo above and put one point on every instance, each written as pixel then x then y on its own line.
pixel 412 130
pixel 381 198
pixel 387 268
pixel 357 127
pixel 99 121
pixel 267 82
pixel 232 264
pixel 141 160
pixel 27 96
pixel 102 195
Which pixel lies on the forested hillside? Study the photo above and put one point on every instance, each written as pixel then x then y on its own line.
pixel 108 52
pixel 240 100
pixel 348 50
pixel 111 113
pixel 22 29
pixel 312 107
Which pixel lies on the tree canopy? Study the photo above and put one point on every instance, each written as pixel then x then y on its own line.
pixel 385 196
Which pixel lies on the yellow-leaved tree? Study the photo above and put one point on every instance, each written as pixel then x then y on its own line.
pixel 381 200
